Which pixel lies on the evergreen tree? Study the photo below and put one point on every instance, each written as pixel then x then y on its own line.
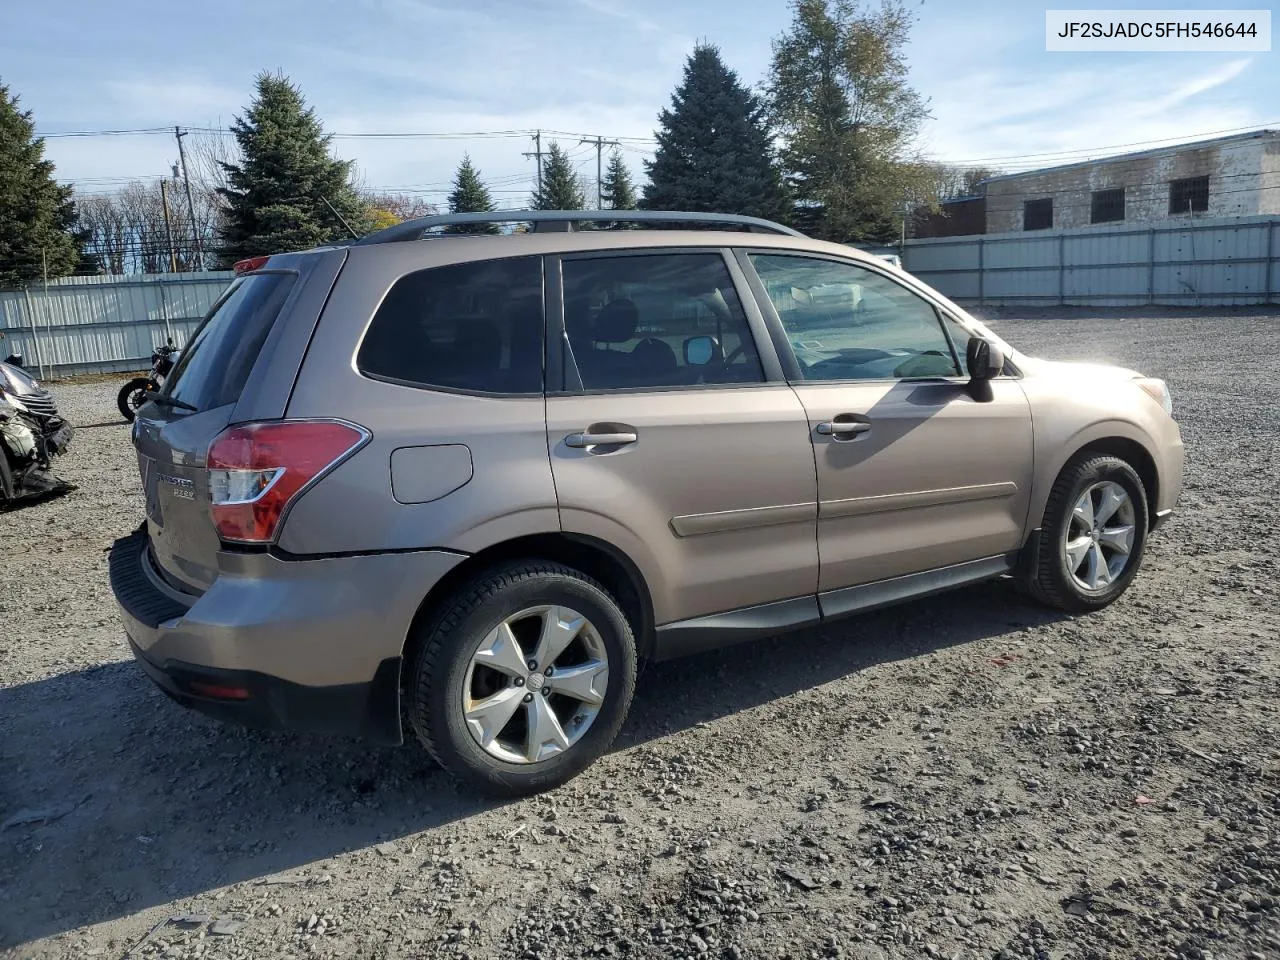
pixel 470 196
pixel 839 94
pixel 617 191
pixel 277 192
pixel 713 147
pixel 561 188
pixel 37 214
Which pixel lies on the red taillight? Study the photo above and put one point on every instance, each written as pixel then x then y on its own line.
pixel 250 265
pixel 257 469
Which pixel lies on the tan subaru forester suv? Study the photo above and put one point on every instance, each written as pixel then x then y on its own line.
pixel 473 479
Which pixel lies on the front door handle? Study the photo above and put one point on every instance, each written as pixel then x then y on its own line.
pixel 580 440
pixel 843 429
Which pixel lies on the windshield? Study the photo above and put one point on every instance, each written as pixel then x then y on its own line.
pixel 215 365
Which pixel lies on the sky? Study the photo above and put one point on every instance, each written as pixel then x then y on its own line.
pixel 583 67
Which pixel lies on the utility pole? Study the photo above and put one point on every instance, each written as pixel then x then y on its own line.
pixel 537 152
pixel 191 206
pixel 168 228
pixel 600 143
pixel 48 319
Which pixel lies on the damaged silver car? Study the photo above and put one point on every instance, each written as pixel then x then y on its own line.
pixel 32 433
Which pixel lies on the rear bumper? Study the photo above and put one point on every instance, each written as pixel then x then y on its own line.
pixel 370 710
pixel 309 645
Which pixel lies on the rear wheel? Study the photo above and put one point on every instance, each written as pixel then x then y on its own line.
pixel 132 395
pixel 523 679
pixel 1093 536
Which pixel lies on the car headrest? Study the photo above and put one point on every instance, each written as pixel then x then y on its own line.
pixel 616 322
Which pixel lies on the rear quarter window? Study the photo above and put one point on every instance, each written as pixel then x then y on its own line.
pixel 472 327
pixel 215 364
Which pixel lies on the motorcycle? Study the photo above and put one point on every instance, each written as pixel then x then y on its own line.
pixel 31 434
pixel 134 393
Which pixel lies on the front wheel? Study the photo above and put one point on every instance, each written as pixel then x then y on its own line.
pixel 132 395
pixel 1093 535
pixel 523 678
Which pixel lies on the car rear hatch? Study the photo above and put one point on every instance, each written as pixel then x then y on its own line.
pixel 239 365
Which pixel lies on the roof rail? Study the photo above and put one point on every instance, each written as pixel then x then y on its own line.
pixel 565 220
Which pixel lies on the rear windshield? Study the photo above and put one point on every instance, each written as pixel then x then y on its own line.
pixel 215 364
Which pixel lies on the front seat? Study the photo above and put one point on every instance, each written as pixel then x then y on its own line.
pixel 653 363
pixel 616 322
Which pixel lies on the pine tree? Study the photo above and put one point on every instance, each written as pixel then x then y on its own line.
pixel 714 151
pixel 561 188
pixel 470 196
pixel 37 214
pixel 277 193
pixel 617 191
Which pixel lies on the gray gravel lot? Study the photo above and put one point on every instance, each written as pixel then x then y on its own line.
pixel 968 776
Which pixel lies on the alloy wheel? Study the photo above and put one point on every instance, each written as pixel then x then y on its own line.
pixel 535 684
pixel 1099 538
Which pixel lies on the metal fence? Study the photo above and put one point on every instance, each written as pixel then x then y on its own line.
pixel 103 324
pixel 1192 263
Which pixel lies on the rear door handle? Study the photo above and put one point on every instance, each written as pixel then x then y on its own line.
pixel 843 429
pixel 581 440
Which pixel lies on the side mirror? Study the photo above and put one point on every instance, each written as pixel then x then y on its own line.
pixel 983 358
pixel 699 351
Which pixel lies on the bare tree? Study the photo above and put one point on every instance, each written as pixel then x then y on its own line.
pixel 208 153
pixel 387 209
pixel 109 239
pixel 127 230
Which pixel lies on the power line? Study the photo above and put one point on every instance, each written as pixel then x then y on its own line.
pixel 363 135
pixel 1180 139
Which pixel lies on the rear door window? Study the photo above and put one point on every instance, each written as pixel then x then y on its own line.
pixel 472 327
pixel 215 364
pixel 657 320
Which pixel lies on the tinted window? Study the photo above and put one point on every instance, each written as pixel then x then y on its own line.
pixel 471 326
pixel 845 322
pixel 215 364
pixel 666 320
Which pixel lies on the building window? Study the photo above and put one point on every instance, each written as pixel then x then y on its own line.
pixel 1108 206
pixel 1037 214
pixel 1190 195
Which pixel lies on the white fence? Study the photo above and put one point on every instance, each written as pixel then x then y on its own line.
pixel 1190 263
pixel 103 324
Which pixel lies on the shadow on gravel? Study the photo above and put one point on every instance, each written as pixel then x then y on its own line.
pixel 677 694
pixel 150 803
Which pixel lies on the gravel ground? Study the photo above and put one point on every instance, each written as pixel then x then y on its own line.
pixel 968 776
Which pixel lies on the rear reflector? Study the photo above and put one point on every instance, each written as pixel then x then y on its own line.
pixel 256 470
pixel 250 265
pixel 216 691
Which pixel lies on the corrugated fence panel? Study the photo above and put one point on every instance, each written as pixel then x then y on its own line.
pixel 1187 262
pixel 92 324
pixel 1007 253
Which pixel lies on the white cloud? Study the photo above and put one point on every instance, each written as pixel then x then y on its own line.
pixel 1004 114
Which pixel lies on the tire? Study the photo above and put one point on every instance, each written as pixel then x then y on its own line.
pixel 127 394
pixel 1054 577
pixel 445 677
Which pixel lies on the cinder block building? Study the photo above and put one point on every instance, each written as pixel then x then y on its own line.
pixel 1235 176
